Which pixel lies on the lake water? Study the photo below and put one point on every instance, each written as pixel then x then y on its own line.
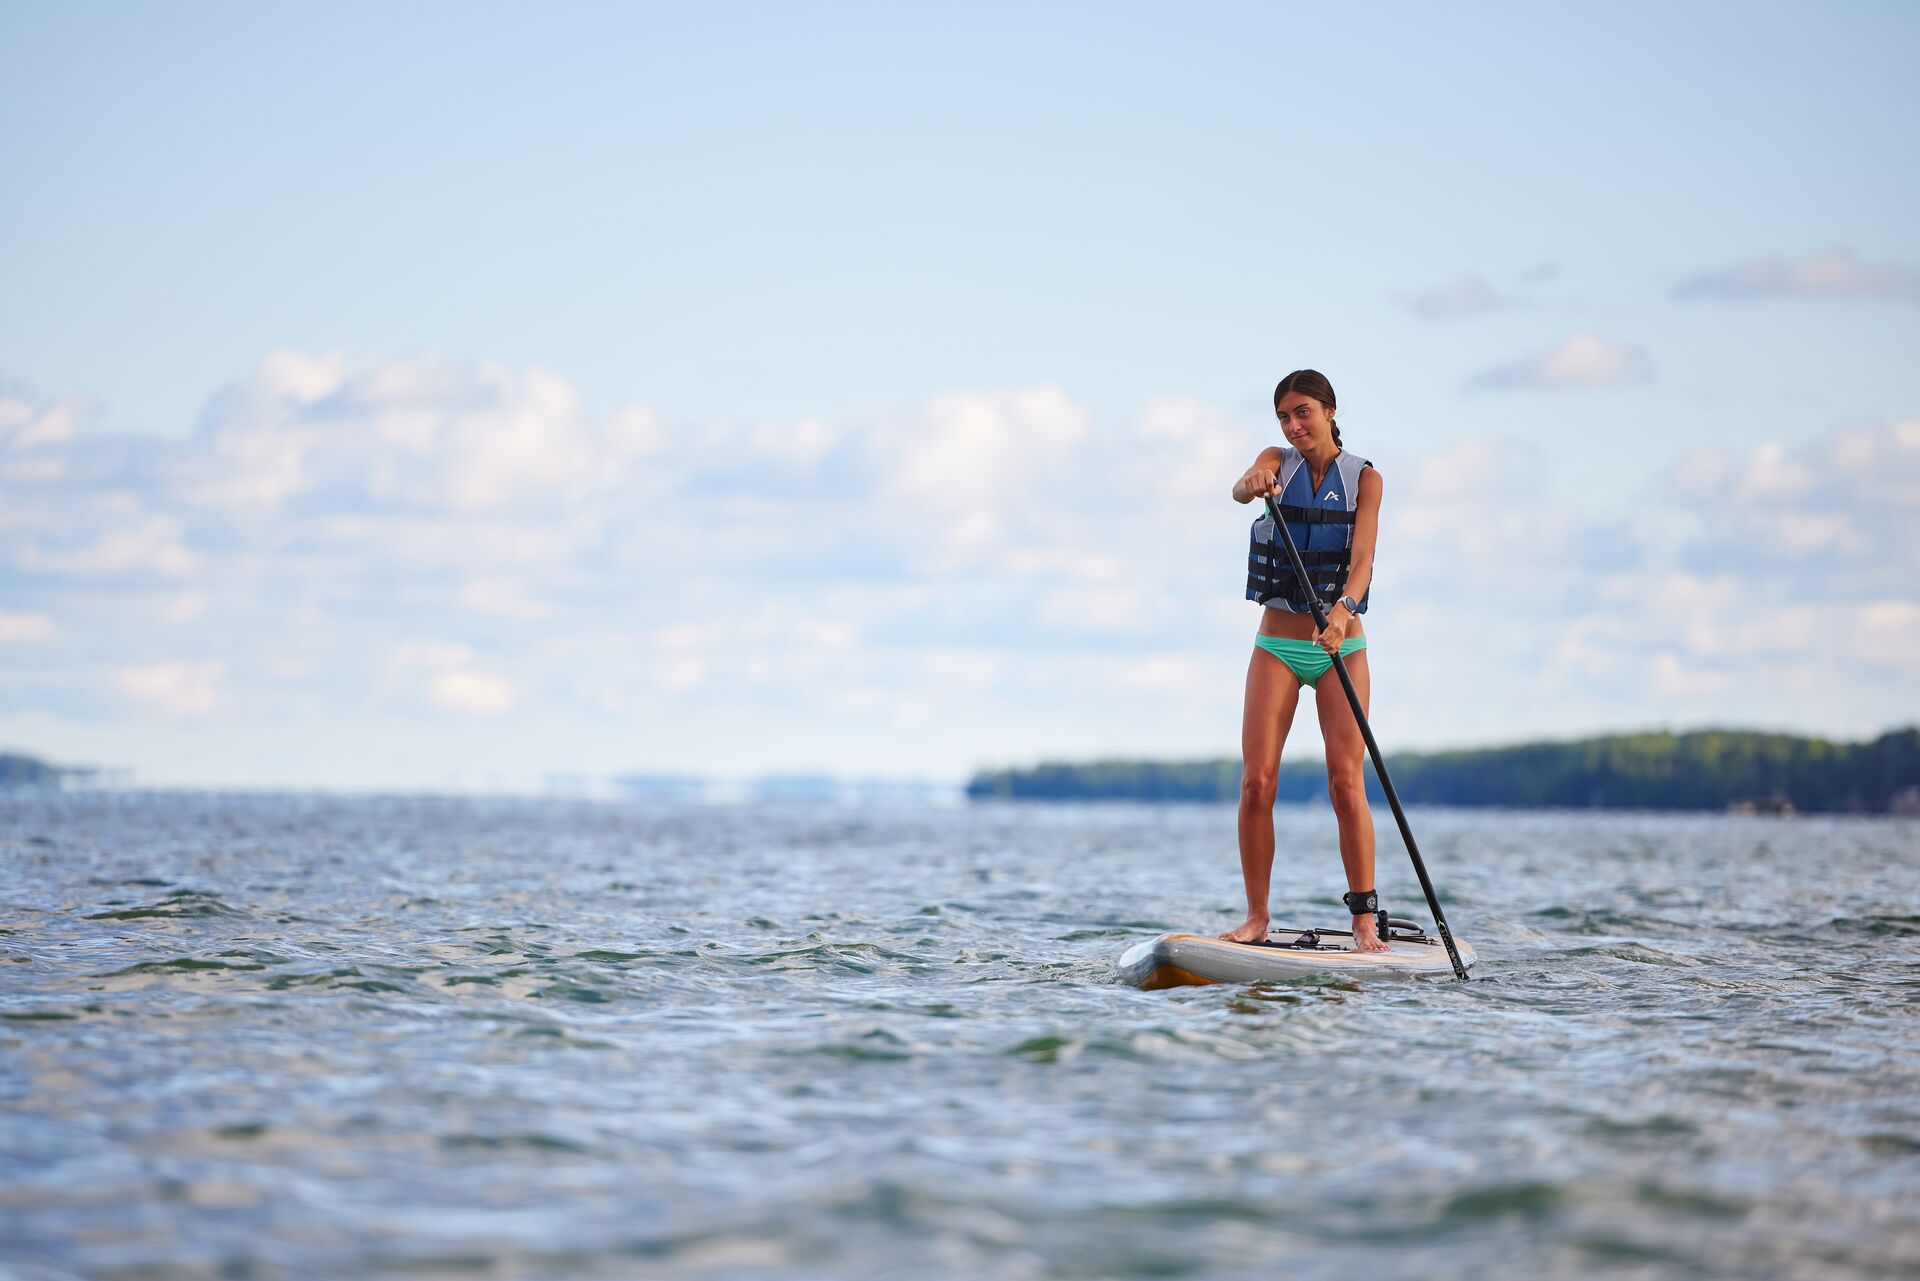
pixel 284 1036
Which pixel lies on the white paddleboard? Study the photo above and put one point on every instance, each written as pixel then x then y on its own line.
pixel 1174 960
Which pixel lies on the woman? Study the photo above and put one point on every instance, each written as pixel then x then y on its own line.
pixel 1330 500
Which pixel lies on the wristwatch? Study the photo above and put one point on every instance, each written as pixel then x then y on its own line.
pixel 1353 606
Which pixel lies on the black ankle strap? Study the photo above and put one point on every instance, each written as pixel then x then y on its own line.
pixel 1364 903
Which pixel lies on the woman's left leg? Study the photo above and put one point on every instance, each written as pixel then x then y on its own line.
pixel 1347 784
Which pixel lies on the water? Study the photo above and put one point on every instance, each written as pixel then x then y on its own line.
pixel 297 1036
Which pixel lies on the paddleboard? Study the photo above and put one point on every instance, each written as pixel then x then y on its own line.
pixel 1176 960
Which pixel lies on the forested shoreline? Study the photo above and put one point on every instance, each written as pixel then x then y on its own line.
pixel 1699 770
pixel 19 769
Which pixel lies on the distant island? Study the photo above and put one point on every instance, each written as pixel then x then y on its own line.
pixel 17 769
pixel 1702 770
pixel 20 770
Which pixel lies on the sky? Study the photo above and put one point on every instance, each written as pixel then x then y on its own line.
pixel 463 395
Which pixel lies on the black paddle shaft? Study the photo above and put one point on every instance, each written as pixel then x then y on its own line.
pixel 1366 732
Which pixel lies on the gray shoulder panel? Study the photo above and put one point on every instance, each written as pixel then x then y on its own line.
pixel 1351 465
pixel 1290 460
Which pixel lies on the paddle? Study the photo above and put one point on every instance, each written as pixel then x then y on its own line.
pixel 1366 732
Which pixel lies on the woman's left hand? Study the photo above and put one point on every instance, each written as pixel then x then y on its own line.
pixel 1330 636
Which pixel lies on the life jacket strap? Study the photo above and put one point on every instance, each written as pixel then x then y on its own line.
pixel 1270 576
pixel 1333 559
pixel 1315 515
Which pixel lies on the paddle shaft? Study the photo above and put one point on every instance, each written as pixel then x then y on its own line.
pixel 1366 732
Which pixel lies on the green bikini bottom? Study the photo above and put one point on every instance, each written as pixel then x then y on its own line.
pixel 1306 660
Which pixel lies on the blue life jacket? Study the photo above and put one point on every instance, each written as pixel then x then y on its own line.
pixel 1321 522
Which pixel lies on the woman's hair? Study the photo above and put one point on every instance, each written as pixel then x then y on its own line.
pixel 1313 383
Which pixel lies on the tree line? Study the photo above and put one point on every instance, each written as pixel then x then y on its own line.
pixel 1703 769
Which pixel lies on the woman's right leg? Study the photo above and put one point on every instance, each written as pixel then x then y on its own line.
pixel 1273 692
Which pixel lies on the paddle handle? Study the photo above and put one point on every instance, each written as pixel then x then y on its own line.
pixel 1373 748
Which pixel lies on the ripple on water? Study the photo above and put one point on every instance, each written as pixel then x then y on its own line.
pixel 177 905
pixel 335 1036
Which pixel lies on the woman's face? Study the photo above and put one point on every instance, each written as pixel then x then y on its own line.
pixel 1304 421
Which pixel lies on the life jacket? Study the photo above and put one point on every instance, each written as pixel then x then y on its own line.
pixel 1322 527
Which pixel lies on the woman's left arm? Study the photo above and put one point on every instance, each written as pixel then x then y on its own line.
pixel 1366 531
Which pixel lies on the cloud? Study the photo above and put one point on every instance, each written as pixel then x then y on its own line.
pixel 26 425
pixel 1781 586
pixel 1834 274
pixel 18 627
pixel 505 597
pixel 175 687
pixel 1459 521
pixel 1837 518
pixel 328 514
pixel 972 450
pixel 438 541
pixel 1583 360
pixel 452 682
pixel 136 543
pixel 1674 678
pixel 423 434
pixel 1722 633
pixel 472 693
pixel 34 437
pixel 1467 296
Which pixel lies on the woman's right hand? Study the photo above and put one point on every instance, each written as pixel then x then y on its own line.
pixel 1257 482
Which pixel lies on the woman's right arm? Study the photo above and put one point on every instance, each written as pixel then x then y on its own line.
pixel 1259 478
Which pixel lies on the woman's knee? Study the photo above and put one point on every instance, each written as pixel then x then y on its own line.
pixel 1348 792
pixel 1258 788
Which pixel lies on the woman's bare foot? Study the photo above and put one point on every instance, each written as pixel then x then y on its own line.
pixel 1366 935
pixel 1251 930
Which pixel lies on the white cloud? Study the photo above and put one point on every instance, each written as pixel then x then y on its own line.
pixel 1673 678
pixel 25 425
pixel 1466 296
pixel 296 376
pixel 636 432
pixel 34 438
pixel 1460 521
pixel 432 654
pixel 174 687
pixel 183 607
pixel 1887 632
pixel 452 681
pixel 417 538
pixel 19 627
pixel 680 673
pixel 139 543
pixel 1837 518
pixel 967 670
pixel 1836 273
pixel 1175 675
pixel 1583 360
pixel 974 451
pixel 33 469
pixel 473 693
pixel 503 597
pixel 426 434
